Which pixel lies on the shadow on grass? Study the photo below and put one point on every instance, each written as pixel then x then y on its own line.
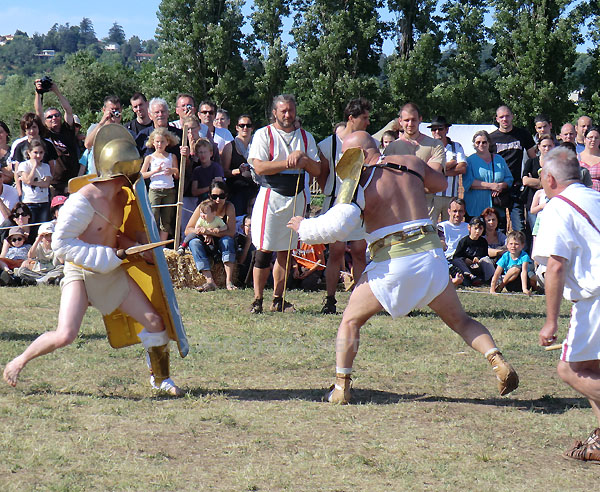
pixel 496 314
pixel 546 404
pixel 30 337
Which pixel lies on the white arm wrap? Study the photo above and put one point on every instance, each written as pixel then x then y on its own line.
pixel 335 225
pixel 73 219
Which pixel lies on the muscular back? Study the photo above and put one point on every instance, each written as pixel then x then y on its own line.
pixel 395 196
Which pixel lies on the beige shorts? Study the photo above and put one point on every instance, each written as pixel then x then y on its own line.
pixel 105 291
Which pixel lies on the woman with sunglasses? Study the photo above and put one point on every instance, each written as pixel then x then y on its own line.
pixel 222 239
pixel 487 177
pixel 239 177
pixel 20 216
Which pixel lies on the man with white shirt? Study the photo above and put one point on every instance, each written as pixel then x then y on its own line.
pixel 279 155
pixel 356 116
pixel 8 199
pixel 456 165
pixel 568 244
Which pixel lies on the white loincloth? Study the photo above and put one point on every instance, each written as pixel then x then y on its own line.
pixel 583 338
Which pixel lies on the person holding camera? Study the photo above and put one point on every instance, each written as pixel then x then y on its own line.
pixel 111 113
pixel 61 133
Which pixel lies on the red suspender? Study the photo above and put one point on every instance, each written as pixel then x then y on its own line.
pixel 580 210
pixel 272 143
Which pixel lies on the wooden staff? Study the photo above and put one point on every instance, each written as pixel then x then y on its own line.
pixel 289 250
pixel 180 190
pixel 557 346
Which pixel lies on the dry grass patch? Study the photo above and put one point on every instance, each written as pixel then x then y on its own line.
pixel 427 415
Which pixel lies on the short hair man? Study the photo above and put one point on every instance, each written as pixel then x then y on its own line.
pixel 426 148
pixel 356 116
pixel 62 134
pixel 407 270
pixel 280 154
pixel 221 136
pixel 456 165
pixel 185 105
pixel 583 123
pixel 568 243
pixel 543 126
pixel 567 133
pixel 512 143
pixel 455 228
pixel 139 105
pixel 159 114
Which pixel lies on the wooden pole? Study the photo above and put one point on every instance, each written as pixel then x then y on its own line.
pixel 182 167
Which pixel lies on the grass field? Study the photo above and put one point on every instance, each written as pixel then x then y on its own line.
pixel 427 415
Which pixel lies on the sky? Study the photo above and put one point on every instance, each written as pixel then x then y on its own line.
pixel 137 17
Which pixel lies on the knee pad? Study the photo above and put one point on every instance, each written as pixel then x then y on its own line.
pixel 262 259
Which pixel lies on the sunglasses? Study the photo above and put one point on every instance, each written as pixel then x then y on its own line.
pixel 17 239
pixel 21 214
pixel 222 196
pixel 55 115
pixel 483 142
pixel 245 125
pixel 207 112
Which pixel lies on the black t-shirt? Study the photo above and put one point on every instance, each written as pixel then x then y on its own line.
pixel 531 169
pixel 67 149
pixel 136 127
pixel 49 151
pixel 511 146
pixel 467 248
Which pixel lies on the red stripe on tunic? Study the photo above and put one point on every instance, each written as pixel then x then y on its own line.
pixel 264 218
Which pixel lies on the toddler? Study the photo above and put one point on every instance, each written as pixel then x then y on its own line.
pixel 207 223
pixel 512 268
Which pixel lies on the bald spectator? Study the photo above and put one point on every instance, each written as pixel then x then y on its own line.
pixel 567 133
pixel 583 124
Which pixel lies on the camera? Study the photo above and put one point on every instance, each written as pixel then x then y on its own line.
pixel 46 83
pixel 188 107
pixel 116 113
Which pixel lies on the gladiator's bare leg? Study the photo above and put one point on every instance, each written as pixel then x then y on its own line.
pixel 73 305
pixel 361 306
pixel 448 307
pixel 139 307
pixel 477 336
pixel 583 377
pixel 359 261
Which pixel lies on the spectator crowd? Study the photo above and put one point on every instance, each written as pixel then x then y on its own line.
pixel 487 218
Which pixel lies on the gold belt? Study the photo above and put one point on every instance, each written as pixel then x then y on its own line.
pixel 398 237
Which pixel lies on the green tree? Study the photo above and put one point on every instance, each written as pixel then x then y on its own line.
pixel 200 50
pixel 270 71
pixel 411 73
pixel 535 43
pixel 339 47
pixel 590 97
pixel 16 99
pixel 87 35
pixel 116 34
pixel 465 93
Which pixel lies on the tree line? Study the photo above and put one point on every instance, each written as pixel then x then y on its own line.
pixel 459 58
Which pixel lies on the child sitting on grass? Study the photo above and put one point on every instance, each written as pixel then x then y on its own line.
pixel 471 255
pixel 42 265
pixel 14 253
pixel 512 268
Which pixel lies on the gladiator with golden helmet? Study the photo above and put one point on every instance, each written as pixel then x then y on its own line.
pixel 105 235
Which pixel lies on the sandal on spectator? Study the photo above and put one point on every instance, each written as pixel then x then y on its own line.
pixel 231 286
pixel 207 287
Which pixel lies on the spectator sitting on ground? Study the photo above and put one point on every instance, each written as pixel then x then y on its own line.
pixel 19 216
pixel 450 232
pixel 206 172
pixel 41 266
pixel 495 238
pixel 57 202
pixel 14 248
pixel 223 238
pixel 308 266
pixel 6 174
pixel 471 255
pixel 512 269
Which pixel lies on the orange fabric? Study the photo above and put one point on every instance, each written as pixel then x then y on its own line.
pixel 308 254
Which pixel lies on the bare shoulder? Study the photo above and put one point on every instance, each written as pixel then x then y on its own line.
pixel 90 191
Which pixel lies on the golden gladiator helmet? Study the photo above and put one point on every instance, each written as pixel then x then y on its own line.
pixel 115 153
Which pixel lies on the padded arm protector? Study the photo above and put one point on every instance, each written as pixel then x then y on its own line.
pixel 335 225
pixel 73 219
